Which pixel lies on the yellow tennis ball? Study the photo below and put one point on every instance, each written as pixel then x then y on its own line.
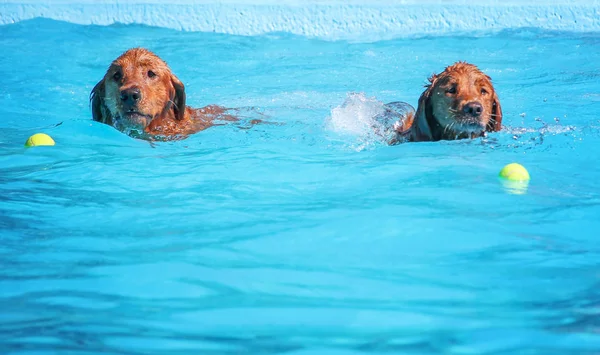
pixel 514 172
pixel 39 139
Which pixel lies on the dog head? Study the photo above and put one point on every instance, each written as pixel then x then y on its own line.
pixel 458 103
pixel 137 88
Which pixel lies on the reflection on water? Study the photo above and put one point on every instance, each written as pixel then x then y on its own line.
pixel 515 187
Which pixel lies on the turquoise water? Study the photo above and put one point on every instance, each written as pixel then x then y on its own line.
pixel 307 237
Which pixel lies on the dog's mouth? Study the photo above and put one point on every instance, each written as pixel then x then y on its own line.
pixel 133 119
pixel 133 123
pixel 136 116
pixel 466 126
pixel 468 123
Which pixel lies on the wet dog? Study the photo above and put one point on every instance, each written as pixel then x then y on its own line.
pixel 140 96
pixel 458 103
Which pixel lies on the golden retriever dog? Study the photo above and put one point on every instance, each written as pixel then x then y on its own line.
pixel 140 96
pixel 458 103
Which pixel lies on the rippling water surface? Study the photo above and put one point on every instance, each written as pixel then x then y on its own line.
pixel 298 238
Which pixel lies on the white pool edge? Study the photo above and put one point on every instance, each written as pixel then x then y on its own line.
pixel 331 19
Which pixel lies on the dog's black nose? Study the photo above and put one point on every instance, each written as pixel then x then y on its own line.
pixel 131 96
pixel 473 108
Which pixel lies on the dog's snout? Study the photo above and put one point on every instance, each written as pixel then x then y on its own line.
pixel 473 108
pixel 131 96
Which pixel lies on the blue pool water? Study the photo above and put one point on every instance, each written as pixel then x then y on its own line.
pixel 308 237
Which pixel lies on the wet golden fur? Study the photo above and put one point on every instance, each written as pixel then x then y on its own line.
pixel 460 102
pixel 140 96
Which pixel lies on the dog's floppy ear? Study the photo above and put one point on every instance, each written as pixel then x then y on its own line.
pixel 179 97
pixel 421 129
pixel 495 123
pixel 100 112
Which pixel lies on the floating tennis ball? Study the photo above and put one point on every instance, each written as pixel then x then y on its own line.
pixel 39 139
pixel 514 172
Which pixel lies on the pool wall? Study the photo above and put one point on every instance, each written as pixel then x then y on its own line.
pixel 333 19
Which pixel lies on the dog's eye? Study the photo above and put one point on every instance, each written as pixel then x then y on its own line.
pixel 117 76
pixel 451 90
pixel 151 74
pixel 484 91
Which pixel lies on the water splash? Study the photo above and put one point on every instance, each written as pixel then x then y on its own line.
pixel 356 115
pixel 368 120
